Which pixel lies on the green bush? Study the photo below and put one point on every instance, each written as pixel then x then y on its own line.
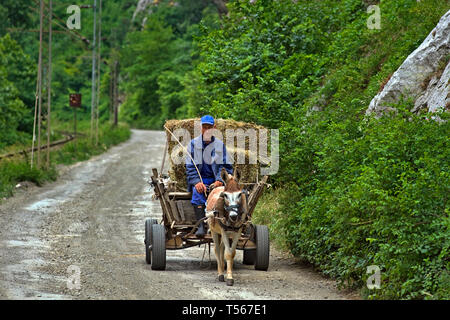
pixel 13 172
pixel 382 200
pixel 16 74
pixel 157 61
pixel 355 192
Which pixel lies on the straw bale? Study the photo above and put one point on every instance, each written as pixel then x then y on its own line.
pixel 249 172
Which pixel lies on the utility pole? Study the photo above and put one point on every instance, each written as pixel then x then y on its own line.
pixel 93 69
pixel 98 69
pixel 111 94
pixel 34 121
pixel 49 89
pixel 41 13
pixel 116 93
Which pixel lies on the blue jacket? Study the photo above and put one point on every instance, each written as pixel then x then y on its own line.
pixel 209 158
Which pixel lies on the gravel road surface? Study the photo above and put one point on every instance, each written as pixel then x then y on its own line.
pixel 89 226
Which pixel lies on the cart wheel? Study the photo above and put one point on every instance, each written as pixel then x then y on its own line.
pixel 158 247
pixel 148 237
pixel 250 254
pixel 262 248
pixel 249 257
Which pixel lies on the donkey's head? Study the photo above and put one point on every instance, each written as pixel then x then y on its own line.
pixel 234 198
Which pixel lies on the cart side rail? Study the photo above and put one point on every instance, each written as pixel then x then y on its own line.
pixel 255 194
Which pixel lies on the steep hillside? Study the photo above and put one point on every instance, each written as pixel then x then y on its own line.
pixel 423 77
pixel 355 191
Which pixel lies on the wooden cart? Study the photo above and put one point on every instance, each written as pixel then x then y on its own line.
pixel 177 228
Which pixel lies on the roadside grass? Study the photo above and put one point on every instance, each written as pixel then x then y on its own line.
pixel 268 212
pixel 13 172
pixel 18 169
pixel 84 148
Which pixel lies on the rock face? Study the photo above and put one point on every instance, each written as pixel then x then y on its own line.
pixel 424 75
pixel 141 6
pixel 437 94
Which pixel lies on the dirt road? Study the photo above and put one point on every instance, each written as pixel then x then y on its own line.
pixel 89 225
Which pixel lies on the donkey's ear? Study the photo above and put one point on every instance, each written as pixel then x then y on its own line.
pixel 237 174
pixel 224 175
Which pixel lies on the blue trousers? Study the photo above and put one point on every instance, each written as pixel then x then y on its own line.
pixel 199 198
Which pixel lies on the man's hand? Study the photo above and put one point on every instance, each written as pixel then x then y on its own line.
pixel 200 187
pixel 217 184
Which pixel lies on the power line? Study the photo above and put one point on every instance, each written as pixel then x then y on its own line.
pixel 72 32
pixel 32 30
pixel 38 103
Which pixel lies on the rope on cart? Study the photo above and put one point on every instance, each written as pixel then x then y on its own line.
pixel 209 254
pixel 164 158
pixel 185 150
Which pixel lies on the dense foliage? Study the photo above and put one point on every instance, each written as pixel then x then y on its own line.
pixel 357 192
pixel 157 61
pixel 379 198
pixel 16 74
pixel 353 191
pixel 72 67
pixel 71 61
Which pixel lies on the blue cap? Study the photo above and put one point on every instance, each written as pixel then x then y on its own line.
pixel 207 120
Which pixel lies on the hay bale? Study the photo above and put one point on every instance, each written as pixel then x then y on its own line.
pixel 221 125
pixel 249 171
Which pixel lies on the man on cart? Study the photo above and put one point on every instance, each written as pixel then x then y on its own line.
pixel 210 156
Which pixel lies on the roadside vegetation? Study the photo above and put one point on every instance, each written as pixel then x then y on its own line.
pixel 352 191
pixel 158 60
pixel 71 64
pixel 18 169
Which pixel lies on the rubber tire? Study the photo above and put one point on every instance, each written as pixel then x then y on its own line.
pixel 249 257
pixel 158 247
pixel 262 248
pixel 148 237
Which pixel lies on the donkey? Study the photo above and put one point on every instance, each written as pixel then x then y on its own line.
pixel 226 210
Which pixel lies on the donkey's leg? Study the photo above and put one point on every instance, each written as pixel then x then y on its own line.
pixel 222 260
pixel 234 242
pixel 230 252
pixel 219 255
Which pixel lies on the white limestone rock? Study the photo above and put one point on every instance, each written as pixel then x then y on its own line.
pixel 437 94
pixel 141 7
pixel 421 66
